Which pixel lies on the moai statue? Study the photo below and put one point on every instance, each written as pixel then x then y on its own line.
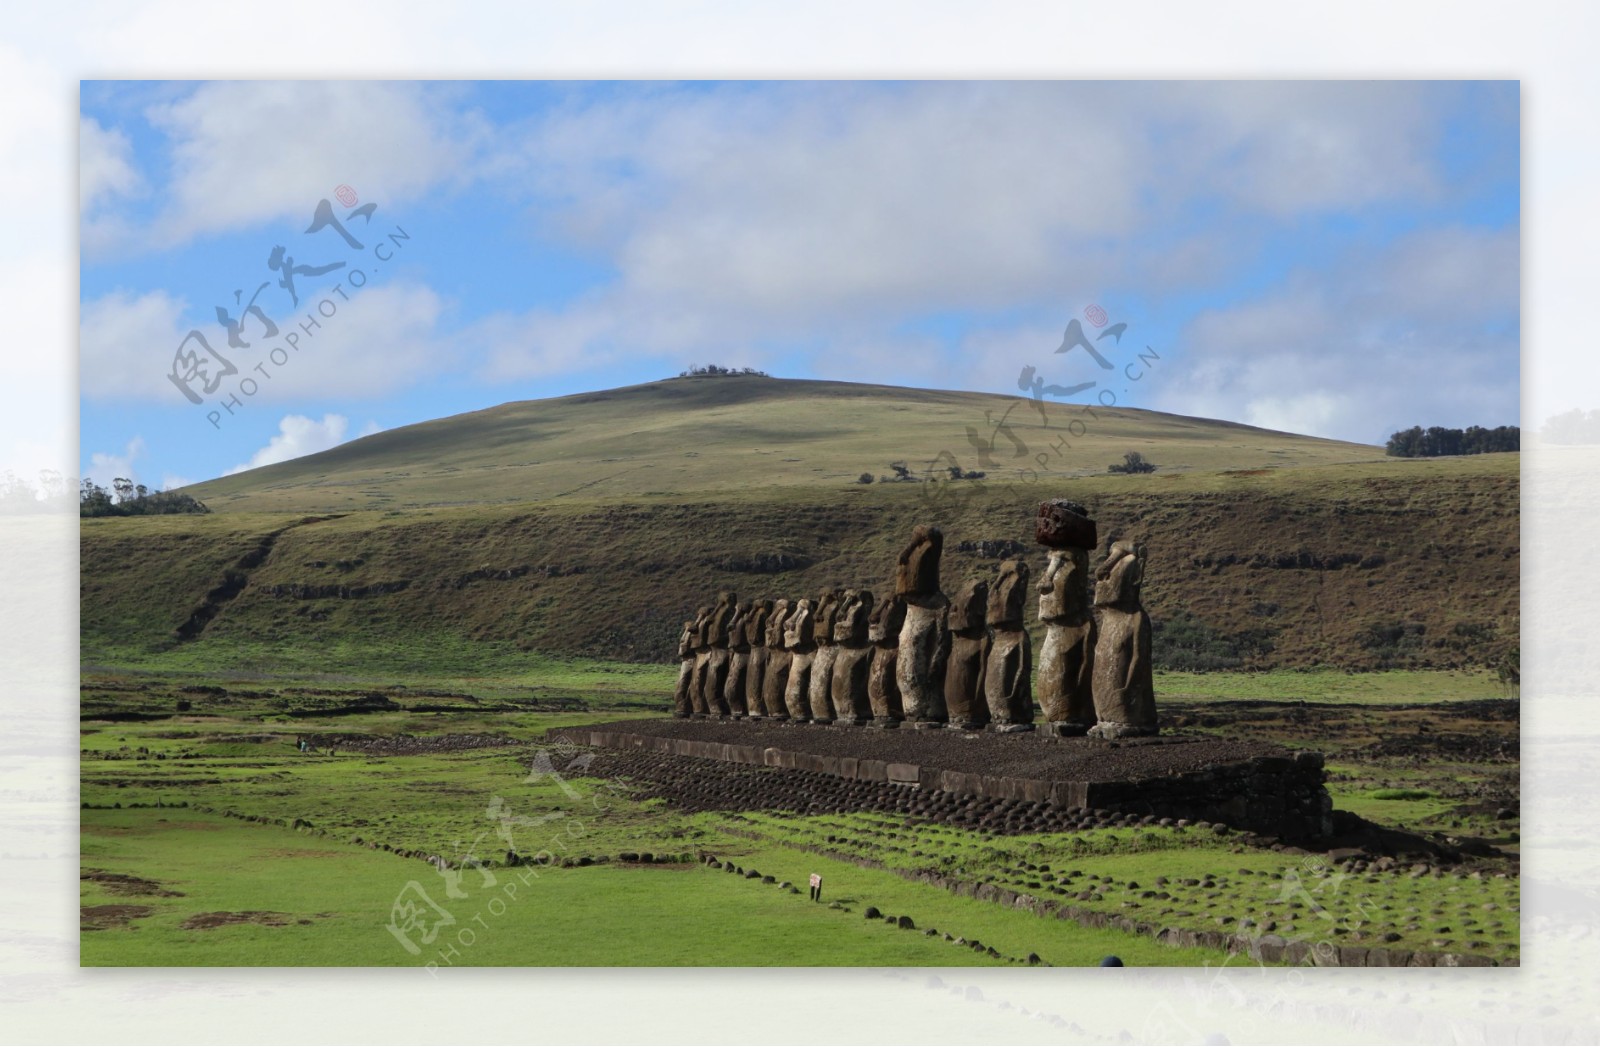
pixel 776 680
pixel 827 609
pixel 1124 688
pixel 682 706
pixel 853 662
pixel 883 632
pixel 969 642
pixel 717 664
pixel 1008 665
pixel 797 637
pixel 738 662
pixel 755 637
pixel 702 664
pixel 1066 661
pixel 919 665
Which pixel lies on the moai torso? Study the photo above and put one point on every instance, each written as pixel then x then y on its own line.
pixel 1066 659
pixel 883 632
pixel 853 662
pixel 755 637
pixel 1124 684
pixel 824 616
pixel 738 661
pixel 920 661
pixel 1008 665
pixel 775 681
pixel 969 641
pixel 716 678
pixel 798 639
pixel 682 705
pixel 702 662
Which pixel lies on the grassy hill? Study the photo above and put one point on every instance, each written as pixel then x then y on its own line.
pixel 736 437
pixel 593 525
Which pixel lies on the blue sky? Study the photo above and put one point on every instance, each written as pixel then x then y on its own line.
pixel 1335 258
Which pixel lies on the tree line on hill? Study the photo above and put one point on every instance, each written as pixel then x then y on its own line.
pixel 717 369
pixel 133 499
pixel 1437 441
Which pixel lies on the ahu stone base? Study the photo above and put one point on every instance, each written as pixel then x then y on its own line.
pixel 1251 786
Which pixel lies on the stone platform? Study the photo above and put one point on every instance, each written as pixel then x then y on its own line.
pixel 1255 786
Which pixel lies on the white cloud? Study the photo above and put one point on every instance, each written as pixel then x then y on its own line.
pixel 105 173
pixel 1425 334
pixel 105 466
pixel 126 343
pixel 298 436
pixel 245 152
pixel 738 215
pixel 379 339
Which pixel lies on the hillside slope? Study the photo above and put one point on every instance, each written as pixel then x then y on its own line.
pixel 1361 565
pixel 726 436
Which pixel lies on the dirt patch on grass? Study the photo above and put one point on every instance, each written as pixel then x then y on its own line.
pixel 205 921
pixel 124 884
pixel 102 917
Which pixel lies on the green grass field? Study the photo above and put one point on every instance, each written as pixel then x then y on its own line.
pixel 156 792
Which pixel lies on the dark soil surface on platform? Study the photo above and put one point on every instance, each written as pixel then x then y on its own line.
pixel 1028 754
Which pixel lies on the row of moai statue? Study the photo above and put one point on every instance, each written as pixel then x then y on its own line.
pixel 921 658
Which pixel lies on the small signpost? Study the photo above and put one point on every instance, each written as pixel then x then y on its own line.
pixel 816 887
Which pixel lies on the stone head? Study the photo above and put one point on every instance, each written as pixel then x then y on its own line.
pixel 1120 577
pixel 1064 586
pixel 969 607
pixel 721 616
pixel 917 570
pixel 851 621
pixel 775 623
pixel 1008 597
pixel 755 623
pixel 797 628
pixel 886 621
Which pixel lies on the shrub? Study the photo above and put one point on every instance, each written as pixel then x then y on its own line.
pixel 1132 462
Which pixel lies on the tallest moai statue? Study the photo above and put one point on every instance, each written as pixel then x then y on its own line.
pixel 1066 661
pixel 920 659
